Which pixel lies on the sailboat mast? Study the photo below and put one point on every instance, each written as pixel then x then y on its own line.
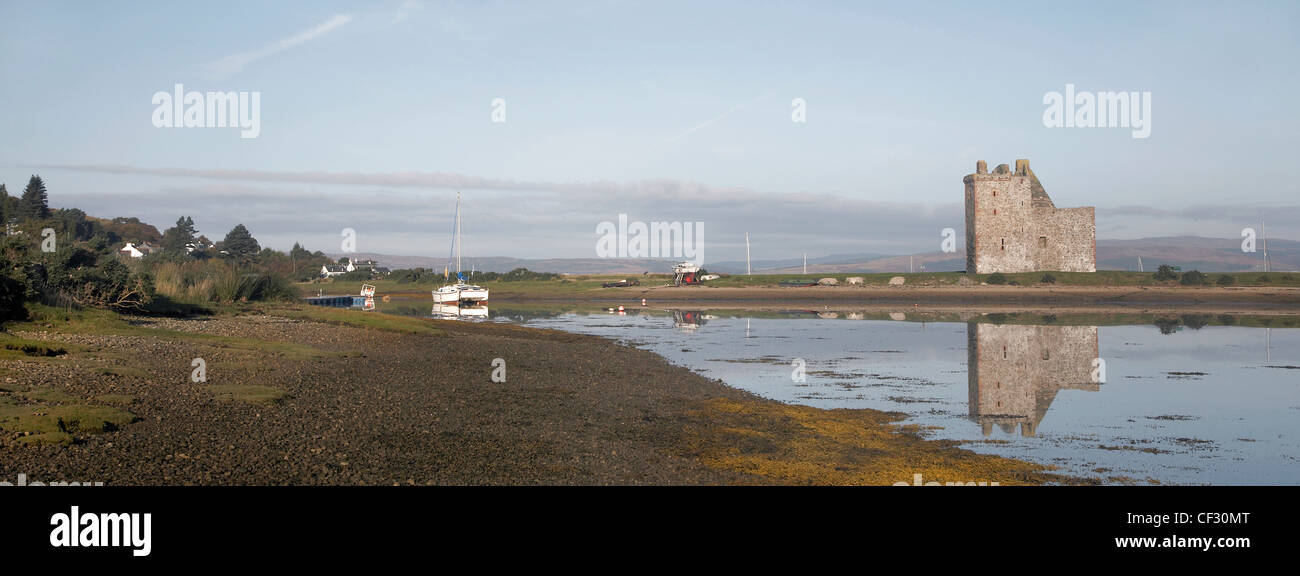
pixel 458 248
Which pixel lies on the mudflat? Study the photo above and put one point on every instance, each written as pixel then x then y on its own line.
pixel 320 397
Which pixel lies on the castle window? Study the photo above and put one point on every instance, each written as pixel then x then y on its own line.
pixel 1004 243
pixel 1047 354
pixel 995 211
pixel 995 193
pixel 1042 241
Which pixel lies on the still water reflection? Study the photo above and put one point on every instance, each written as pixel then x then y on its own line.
pixel 1137 398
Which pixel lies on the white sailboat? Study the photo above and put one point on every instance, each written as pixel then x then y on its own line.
pixel 461 291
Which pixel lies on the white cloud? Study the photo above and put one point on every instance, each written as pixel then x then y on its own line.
pixel 235 63
pixel 408 212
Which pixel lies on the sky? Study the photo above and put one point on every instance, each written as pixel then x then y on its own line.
pixel 373 115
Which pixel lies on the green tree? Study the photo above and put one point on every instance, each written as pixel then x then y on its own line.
pixel 299 253
pixel 175 238
pixel 73 223
pixel 240 244
pixel 35 203
pixel 1193 278
pixel 4 207
pixel 14 288
pixel 1166 272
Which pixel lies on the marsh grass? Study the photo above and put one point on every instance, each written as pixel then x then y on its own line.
pixel 261 395
pixel 214 280
pixel 358 319
pixel 48 416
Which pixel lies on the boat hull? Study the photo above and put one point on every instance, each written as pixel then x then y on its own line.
pixel 457 311
pixel 454 295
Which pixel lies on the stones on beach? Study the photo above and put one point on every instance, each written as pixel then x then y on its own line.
pixel 854 281
pixel 897 281
pixel 828 282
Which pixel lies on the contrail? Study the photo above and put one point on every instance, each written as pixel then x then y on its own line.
pixel 715 119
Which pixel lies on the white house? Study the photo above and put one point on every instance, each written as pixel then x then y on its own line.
pixel 332 270
pixel 132 251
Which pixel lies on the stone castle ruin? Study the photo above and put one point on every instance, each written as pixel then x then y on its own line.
pixel 1013 226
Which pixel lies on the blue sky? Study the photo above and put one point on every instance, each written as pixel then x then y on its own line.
pixel 374 114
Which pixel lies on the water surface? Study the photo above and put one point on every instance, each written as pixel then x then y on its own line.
pixel 1188 399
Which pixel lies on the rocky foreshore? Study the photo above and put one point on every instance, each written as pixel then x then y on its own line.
pixel 296 401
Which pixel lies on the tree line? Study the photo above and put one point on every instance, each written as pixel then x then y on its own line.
pixel 64 257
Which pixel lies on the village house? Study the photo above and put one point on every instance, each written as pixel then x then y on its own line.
pixel 131 250
pixel 140 250
pixel 332 270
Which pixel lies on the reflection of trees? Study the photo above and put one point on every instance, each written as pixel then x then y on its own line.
pixel 1167 325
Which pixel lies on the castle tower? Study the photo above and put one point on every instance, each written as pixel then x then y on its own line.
pixel 1012 225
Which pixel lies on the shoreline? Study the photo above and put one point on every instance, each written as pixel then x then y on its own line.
pixel 1240 300
pixel 372 405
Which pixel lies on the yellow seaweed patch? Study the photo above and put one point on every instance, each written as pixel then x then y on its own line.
pixel 802 445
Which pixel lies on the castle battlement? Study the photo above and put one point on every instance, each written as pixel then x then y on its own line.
pixel 1012 225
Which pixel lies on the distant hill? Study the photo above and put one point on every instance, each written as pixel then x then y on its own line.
pixel 1189 252
pixel 1196 253
pixel 929 262
pixel 794 264
pixel 130 229
pixel 506 264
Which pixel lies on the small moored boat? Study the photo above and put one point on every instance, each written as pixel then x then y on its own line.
pixel 461 291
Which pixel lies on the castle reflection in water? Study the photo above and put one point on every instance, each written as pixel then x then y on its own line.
pixel 1015 371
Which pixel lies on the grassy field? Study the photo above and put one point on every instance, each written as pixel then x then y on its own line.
pixel 584 284
pixel 1099 278
pixel 567 285
pixel 345 317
